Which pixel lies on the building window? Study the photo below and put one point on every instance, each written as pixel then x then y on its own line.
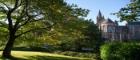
pixel 110 29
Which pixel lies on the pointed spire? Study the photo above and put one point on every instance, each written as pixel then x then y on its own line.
pixel 99 18
pixel 99 14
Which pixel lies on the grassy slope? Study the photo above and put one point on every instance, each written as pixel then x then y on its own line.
pixel 28 55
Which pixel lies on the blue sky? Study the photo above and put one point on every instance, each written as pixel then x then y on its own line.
pixel 105 6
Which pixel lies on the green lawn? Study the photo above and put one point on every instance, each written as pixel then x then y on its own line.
pixel 28 55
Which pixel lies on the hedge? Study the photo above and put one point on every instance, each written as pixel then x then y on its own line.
pixel 120 51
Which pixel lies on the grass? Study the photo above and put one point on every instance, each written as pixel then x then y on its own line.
pixel 79 54
pixel 29 55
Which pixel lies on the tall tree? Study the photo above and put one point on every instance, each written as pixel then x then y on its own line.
pixel 131 12
pixel 91 36
pixel 77 34
pixel 22 16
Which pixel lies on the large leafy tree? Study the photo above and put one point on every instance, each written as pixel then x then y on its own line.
pixel 131 12
pixel 77 34
pixel 90 38
pixel 22 16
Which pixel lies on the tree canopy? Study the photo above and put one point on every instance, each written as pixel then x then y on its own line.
pixel 19 17
pixel 131 12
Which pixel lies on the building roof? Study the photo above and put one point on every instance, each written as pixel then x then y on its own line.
pixel 134 23
pixel 122 28
pixel 107 21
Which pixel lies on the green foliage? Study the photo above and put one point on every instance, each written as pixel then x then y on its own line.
pixel 35 14
pixel 65 26
pixel 78 34
pixel 72 35
pixel 130 12
pixel 92 36
pixel 39 18
pixel 3 36
pixel 120 51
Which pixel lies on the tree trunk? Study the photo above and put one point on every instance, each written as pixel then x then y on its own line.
pixel 8 47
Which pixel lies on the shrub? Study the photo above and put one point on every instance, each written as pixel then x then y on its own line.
pixel 120 51
pixel 34 48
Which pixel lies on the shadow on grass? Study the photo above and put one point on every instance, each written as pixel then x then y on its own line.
pixel 12 58
pixel 41 58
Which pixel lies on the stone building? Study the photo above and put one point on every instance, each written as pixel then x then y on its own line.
pixel 112 31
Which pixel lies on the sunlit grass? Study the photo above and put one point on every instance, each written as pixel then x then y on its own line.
pixel 28 55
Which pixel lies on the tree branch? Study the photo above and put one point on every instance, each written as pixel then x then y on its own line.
pixel 15 6
pixel 32 30
pixel 9 15
pixel 3 9
pixel 30 19
pixel 5 5
pixel 22 15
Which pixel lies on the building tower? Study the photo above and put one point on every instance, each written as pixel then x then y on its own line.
pixel 99 18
